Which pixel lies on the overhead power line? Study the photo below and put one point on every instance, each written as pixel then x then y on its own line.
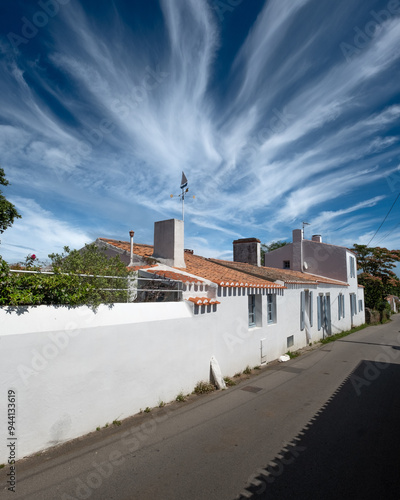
pixel 387 215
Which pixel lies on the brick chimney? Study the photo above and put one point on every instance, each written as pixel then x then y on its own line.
pixel 247 250
pixel 169 242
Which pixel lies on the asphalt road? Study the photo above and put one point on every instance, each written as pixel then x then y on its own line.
pixel 321 426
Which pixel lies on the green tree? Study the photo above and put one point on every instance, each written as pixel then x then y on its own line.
pixel 84 276
pixel 89 260
pixel 8 212
pixel 377 276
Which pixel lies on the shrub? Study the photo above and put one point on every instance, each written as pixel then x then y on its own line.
pixel 229 382
pixel 204 387
pixel 180 398
pixel 78 279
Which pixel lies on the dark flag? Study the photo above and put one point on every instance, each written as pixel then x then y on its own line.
pixel 184 181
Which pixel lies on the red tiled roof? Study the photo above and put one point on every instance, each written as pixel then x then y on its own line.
pixel 203 301
pixel 204 268
pixel 287 275
pixel 138 248
pixel 222 275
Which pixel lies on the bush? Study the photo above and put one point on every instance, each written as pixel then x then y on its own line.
pixel 204 387
pixel 78 279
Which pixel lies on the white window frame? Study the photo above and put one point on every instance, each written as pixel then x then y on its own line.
pixel 271 308
pixel 319 310
pixel 252 310
pixel 352 267
pixel 353 304
pixel 341 306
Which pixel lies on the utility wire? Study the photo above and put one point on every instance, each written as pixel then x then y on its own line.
pixel 387 215
pixel 388 233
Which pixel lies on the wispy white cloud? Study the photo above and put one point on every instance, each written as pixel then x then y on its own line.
pixel 293 127
pixel 39 232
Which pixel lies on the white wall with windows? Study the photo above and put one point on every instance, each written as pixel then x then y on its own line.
pixel 76 369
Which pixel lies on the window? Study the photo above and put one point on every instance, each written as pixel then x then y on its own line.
pixel 252 310
pixel 352 267
pixel 320 310
pixel 286 264
pixel 360 305
pixel 306 310
pixel 353 304
pixel 290 341
pixel 271 308
pixel 302 309
pixel 341 306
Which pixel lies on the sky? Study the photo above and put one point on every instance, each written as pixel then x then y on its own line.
pixel 278 111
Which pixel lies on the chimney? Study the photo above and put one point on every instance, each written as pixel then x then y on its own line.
pixel 131 233
pixel 169 242
pixel 298 250
pixel 247 250
pixel 317 238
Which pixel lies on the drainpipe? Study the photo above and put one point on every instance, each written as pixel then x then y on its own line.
pixel 131 233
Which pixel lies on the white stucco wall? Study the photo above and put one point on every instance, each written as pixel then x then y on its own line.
pixel 75 369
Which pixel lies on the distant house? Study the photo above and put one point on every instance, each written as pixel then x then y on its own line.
pixel 394 303
pixel 322 260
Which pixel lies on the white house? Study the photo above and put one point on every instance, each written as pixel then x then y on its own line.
pixel 74 369
pixel 315 258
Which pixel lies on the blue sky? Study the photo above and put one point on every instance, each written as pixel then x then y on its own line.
pixel 278 111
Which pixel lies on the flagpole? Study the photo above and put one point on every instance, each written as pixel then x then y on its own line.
pixel 183 204
pixel 184 183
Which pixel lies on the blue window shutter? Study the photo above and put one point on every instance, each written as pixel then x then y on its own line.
pixel 319 312
pixel 343 313
pixel 311 309
pixel 340 306
pixel 302 304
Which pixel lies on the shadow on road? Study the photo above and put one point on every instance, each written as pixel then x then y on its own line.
pixel 349 450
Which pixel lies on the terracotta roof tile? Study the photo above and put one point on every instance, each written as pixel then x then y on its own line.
pixel 202 267
pixel 224 276
pixel 138 248
pixel 286 275
pixel 203 301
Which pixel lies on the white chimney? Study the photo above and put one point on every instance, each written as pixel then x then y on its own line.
pixel 298 250
pixel 317 238
pixel 169 242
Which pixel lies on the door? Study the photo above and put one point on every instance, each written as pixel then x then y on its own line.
pixel 326 315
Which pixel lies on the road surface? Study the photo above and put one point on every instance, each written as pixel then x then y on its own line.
pixel 324 425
